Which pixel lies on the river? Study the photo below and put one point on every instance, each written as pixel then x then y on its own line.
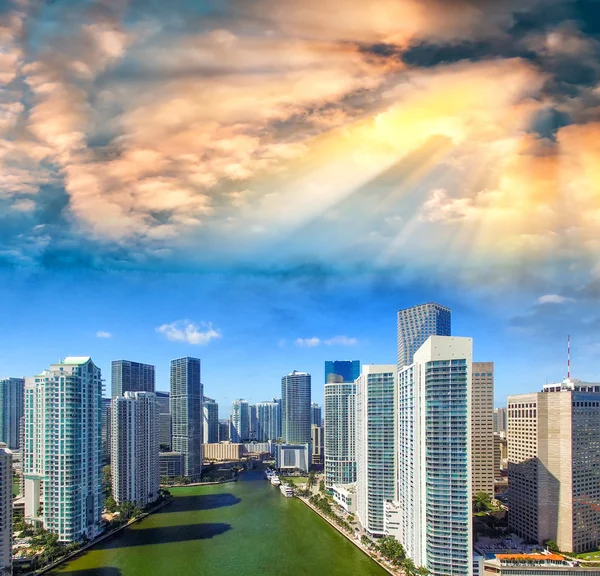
pixel 242 528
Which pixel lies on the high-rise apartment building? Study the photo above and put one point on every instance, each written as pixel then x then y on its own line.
pixel 224 431
pixel 349 370
pixel 211 421
pixel 295 408
pixel 482 428
pixel 187 414
pixel 500 419
pixel 240 421
pixel 418 323
pixel 554 465
pixel 252 419
pixel 135 447
pixel 130 376
pixel 11 411
pixel 6 509
pixel 106 430
pixel 268 421
pixel 340 419
pixel 316 418
pixel 318 444
pixel 434 457
pixel 375 454
pixel 62 452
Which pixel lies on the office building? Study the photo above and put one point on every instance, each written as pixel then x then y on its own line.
pixel 418 323
pixel 482 428
pixel 253 423
pixel 268 421
pixel 500 460
pixel 293 457
pixel 295 408
pixel 433 520
pixel 211 421
pixel 165 433
pixel 224 434
pixel 375 454
pixel 106 430
pixel 500 421
pixel 340 457
pixel 163 401
pixel 135 446
pixel 187 414
pixel 6 509
pixel 130 376
pixel 240 421
pixel 349 370
pixel 316 418
pixel 553 465
pixel 11 411
pixel 318 445
pixel 170 465
pixel 62 452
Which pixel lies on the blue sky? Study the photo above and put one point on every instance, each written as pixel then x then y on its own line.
pixel 240 180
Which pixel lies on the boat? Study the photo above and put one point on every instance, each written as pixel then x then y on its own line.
pixel 269 474
pixel 275 480
pixel 286 490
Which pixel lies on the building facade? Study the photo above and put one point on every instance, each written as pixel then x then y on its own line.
pixel 62 452
pixel 349 370
pixel 224 434
pixel 293 457
pixel 225 451
pixel 268 421
pixel 130 376
pixel 211 421
pixel 253 423
pixel 418 323
pixel 433 519
pixel 6 509
pixel 553 462
pixel 375 454
pixel 482 428
pixel 500 419
pixel 106 430
pixel 340 419
pixel 187 414
pixel 135 447
pixel 170 465
pixel 11 411
pixel 318 445
pixel 164 419
pixel 240 421
pixel 295 408
pixel 316 418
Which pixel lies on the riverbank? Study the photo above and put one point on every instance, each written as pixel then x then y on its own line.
pixel 101 538
pixel 349 537
pixel 199 483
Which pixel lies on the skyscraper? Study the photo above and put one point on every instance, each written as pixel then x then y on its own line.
pixel 375 455
pixel 268 421
pixel 6 509
pixel 340 419
pixel 500 418
pixel 316 418
pixel 135 447
pixel 418 323
pixel 163 399
pixel 211 421
pixel 553 465
pixel 240 421
pixel 252 420
pixel 62 452
pixel 317 440
pixel 130 376
pixel 11 411
pixel 295 408
pixel 106 430
pixel 434 457
pixel 349 370
pixel 187 414
pixel 482 428
pixel 224 432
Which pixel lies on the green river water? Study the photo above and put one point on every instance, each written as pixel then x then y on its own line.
pixel 244 528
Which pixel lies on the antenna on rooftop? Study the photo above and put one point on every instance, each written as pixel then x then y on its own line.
pixel 568 357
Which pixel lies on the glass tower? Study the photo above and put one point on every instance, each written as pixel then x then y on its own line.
pixel 131 377
pixel 211 421
pixel 349 370
pixel 268 421
pixel 11 411
pixel 187 414
pixel 295 404
pixel 418 323
pixel 315 414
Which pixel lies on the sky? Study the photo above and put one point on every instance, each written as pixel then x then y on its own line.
pixel 264 184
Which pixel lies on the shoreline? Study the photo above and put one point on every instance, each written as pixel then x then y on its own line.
pixel 362 548
pixel 167 486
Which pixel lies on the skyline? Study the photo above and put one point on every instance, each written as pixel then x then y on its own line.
pixel 264 188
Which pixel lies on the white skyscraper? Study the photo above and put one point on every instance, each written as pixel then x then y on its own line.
pixel 135 447
pixel 240 421
pixel 211 421
pixel 340 457
pixel 433 520
pixel 62 452
pixel 375 453
pixel 11 411
pixel 6 509
pixel 268 421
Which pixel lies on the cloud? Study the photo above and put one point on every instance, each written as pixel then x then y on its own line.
pixel 334 341
pixel 103 334
pixel 190 332
pixel 554 299
pixel 308 342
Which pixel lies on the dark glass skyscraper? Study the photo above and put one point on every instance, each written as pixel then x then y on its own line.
pixel 130 376
pixel 349 370
pixel 295 408
pixel 187 413
pixel 11 411
pixel 418 323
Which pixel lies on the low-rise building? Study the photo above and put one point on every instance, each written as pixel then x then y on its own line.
pixel 170 464
pixel 293 456
pixel 223 451
pixel 534 565
pixel 258 448
pixel 344 495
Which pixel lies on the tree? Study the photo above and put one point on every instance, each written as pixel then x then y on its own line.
pixel 126 510
pixel 311 478
pixel 110 505
pixel 422 571
pixel 392 550
pixel 409 568
pixel 322 486
pixel 482 502
pixel 551 545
